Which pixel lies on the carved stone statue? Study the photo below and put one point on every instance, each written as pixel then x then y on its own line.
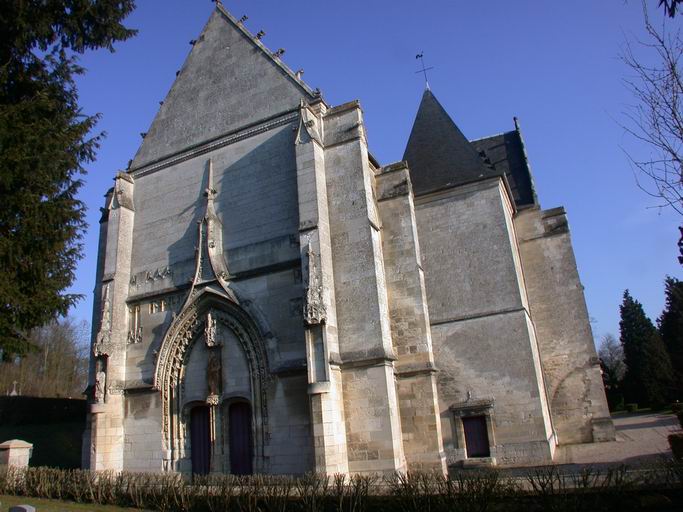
pixel 103 337
pixel 214 377
pixel 100 386
pixel 210 331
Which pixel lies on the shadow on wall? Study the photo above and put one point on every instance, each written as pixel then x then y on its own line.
pixel 53 425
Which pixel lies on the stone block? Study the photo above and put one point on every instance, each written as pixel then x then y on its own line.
pixel 15 452
pixel 603 430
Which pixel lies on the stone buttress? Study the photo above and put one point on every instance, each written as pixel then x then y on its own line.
pixel 107 371
pixel 414 367
pixel 558 307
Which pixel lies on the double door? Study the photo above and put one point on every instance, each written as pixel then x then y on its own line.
pixel 239 438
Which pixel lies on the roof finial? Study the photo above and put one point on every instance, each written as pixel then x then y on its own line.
pixel 424 69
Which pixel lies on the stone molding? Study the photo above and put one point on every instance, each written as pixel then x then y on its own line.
pixel 231 138
pixel 472 407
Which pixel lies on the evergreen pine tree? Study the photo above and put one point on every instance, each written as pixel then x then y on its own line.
pixel 44 143
pixel 649 378
pixel 671 330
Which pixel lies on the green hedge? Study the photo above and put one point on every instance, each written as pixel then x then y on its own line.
pixel 542 489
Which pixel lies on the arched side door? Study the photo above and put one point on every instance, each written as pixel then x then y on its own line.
pixel 239 421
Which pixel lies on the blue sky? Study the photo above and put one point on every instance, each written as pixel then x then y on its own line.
pixel 555 65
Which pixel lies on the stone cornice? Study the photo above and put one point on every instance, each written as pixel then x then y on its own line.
pixel 246 132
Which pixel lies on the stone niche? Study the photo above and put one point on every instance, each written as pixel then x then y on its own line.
pixel 474 433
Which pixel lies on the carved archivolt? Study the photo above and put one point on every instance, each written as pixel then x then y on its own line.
pixel 192 326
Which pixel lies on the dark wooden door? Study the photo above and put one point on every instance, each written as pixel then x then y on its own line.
pixel 201 440
pixel 476 436
pixel 240 438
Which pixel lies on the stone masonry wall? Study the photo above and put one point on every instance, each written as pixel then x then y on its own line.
pixel 256 200
pixel 484 344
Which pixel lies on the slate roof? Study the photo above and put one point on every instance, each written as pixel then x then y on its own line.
pixel 506 153
pixel 438 154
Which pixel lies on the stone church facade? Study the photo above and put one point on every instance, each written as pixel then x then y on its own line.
pixel 271 299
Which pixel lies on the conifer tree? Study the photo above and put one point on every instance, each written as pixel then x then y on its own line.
pixel 671 330
pixel 649 378
pixel 44 142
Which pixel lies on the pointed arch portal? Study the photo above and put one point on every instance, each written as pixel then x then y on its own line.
pixel 183 430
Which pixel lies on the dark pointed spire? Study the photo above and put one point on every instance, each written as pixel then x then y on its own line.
pixel 438 154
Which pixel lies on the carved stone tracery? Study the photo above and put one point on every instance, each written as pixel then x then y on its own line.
pixel 315 311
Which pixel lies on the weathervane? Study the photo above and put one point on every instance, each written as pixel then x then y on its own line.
pixel 424 69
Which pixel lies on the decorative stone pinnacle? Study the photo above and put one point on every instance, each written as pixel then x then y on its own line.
pixel 210 191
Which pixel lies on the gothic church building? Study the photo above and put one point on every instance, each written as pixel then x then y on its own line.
pixel 271 299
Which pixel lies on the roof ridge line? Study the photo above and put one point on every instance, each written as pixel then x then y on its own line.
pixel 222 9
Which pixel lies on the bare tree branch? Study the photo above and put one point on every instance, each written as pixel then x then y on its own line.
pixel 656 117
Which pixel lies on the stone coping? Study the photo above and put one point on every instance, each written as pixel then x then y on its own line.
pixel 15 443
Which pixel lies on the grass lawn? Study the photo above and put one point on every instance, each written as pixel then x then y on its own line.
pixel 57 506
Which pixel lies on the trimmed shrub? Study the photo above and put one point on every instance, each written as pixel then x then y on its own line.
pixel 631 407
pixel 676 443
pixel 544 489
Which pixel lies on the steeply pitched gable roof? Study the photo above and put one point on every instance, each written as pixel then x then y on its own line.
pixel 229 79
pixel 438 153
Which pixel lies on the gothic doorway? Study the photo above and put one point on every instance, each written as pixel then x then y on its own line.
pixel 476 436
pixel 210 326
pixel 239 435
pixel 200 439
